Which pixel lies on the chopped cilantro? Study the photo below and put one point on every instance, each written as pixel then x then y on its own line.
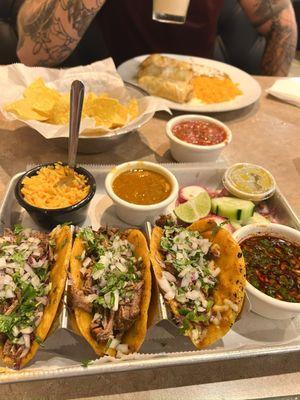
pixel 185 325
pixel 18 257
pixel 87 235
pixel 97 267
pixel 216 228
pixel 17 229
pixel 63 243
pixel 86 363
pixel 52 243
pixel 39 341
pixel 183 311
pixel 68 223
pixel 6 323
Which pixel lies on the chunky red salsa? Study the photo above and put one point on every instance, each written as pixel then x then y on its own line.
pixel 273 266
pixel 203 133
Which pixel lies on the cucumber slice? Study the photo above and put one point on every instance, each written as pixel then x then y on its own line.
pixel 232 208
pixel 257 219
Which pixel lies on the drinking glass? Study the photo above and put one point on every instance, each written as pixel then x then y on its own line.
pixel 170 11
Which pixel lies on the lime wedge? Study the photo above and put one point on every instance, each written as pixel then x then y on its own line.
pixel 194 209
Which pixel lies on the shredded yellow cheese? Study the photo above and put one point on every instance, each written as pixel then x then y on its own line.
pixel 214 89
pixel 55 186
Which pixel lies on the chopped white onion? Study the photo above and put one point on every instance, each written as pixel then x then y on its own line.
pixel 195 333
pixel 27 330
pixel 38 318
pixel 203 299
pixel 193 294
pixel 114 343
pixel 167 288
pixel 123 348
pixel 232 305
pixel 42 300
pixel 186 280
pixel 107 297
pixel 2 262
pixel 219 308
pixel 26 340
pixel 91 297
pixel 215 272
pixel 184 272
pixel 96 317
pixel 169 276
pixel 24 352
pixel 15 330
pixel 181 298
pixel 116 301
pixel 9 294
pixel 86 262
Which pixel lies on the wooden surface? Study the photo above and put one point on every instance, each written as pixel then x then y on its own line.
pixel 267 133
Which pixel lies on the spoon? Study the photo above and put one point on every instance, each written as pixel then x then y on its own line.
pixel 76 102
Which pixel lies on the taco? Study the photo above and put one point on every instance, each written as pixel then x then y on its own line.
pixel 33 272
pixel 111 288
pixel 201 272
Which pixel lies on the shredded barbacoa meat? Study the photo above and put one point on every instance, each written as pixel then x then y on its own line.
pixel 112 283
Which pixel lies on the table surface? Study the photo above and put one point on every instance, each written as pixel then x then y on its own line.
pixel 266 133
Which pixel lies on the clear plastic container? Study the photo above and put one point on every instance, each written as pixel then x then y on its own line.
pixel 249 182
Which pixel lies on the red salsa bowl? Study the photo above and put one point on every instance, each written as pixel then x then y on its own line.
pixel 196 138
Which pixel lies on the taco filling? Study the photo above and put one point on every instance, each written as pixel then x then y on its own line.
pixel 112 285
pixel 188 268
pixel 26 259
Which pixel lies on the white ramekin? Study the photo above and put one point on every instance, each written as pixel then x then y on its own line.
pixel 135 214
pixel 261 303
pixel 186 152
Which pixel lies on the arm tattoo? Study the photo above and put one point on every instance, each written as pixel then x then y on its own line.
pixel 275 20
pixel 79 15
pixel 53 41
pixel 280 50
pixel 268 10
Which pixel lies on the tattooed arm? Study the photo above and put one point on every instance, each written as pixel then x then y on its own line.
pixel 49 30
pixel 274 19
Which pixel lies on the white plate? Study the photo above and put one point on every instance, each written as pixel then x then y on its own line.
pixel 248 85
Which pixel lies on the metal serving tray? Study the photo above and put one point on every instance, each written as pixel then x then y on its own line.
pixel 64 350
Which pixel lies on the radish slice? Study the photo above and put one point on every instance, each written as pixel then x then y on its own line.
pixel 220 220
pixel 217 193
pixel 189 192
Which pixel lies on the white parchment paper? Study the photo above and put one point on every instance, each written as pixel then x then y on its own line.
pixel 99 77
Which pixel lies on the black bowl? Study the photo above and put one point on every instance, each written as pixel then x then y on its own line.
pixel 49 218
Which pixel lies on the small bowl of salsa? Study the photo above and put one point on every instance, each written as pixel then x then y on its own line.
pixel 197 138
pixel 141 190
pixel 272 259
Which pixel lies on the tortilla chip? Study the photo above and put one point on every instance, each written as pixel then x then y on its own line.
pixel 43 106
pixel 60 111
pixel 37 90
pixel 58 276
pixel 42 103
pixel 107 112
pixel 231 279
pixel 135 336
pixel 23 108
pixel 133 108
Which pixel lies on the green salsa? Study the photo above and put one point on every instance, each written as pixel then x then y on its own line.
pixel 273 266
pixel 251 179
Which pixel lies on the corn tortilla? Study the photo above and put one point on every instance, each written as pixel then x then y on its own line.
pixel 231 279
